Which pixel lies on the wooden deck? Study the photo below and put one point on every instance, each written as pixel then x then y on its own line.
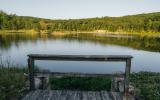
pixel 77 95
pixel 72 95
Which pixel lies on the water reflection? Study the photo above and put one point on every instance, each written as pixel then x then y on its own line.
pixel 137 42
pixel 18 46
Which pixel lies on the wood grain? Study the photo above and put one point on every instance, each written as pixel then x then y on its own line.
pixel 72 95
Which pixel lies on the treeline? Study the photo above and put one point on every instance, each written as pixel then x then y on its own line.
pixel 134 23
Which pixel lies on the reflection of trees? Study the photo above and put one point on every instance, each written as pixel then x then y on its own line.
pixel 4 43
pixel 137 42
pixel 6 40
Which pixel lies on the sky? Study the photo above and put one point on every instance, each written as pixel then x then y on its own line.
pixel 74 9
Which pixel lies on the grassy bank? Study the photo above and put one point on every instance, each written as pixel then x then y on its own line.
pixel 102 32
pixel 12 83
pixel 143 33
pixel 148 84
pixel 17 31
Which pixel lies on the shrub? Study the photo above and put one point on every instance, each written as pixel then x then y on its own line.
pixel 81 83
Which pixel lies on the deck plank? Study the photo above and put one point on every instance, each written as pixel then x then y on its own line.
pixel 33 95
pixel 106 95
pixel 117 96
pixel 56 95
pixel 72 95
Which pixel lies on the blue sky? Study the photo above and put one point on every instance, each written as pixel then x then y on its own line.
pixel 65 9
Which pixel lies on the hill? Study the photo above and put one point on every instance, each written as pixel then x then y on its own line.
pixel 149 22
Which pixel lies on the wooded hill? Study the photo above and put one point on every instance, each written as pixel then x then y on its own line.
pixel 132 23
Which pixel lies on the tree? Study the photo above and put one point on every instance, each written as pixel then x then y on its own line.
pixel 43 25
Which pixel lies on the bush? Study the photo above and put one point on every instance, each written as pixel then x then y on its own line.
pixel 81 83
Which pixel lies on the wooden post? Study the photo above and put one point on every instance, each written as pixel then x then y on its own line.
pixel 126 78
pixel 31 73
pixel 43 81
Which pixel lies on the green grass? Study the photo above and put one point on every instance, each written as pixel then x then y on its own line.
pixel 12 83
pixel 81 83
pixel 148 83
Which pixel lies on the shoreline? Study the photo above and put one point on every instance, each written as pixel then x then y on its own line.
pixel 98 32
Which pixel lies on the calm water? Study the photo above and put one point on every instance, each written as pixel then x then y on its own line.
pixel 145 52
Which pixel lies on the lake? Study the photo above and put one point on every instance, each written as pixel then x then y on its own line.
pixel 15 47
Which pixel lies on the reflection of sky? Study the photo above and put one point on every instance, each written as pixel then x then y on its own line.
pixel 143 60
pixel 78 8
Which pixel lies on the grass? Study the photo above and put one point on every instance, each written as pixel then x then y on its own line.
pixel 81 83
pixel 12 83
pixel 148 83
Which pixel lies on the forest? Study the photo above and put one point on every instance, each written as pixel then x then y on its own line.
pixel 149 22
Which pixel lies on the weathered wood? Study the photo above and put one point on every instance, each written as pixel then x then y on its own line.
pixel 105 95
pixel 117 96
pixel 55 95
pixel 43 82
pixel 72 95
pixel 31 73
pixel 80 57
pixel 124 58
pixel 76 74
pixel 32 95
pixel 126 79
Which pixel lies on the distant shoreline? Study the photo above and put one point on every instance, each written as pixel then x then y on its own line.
pixel 99 32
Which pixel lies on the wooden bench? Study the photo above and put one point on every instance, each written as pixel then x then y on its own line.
pixel 115 58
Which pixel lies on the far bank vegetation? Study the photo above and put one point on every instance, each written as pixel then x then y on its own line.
pixel 135 24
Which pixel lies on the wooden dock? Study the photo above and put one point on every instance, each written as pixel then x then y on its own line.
pixel 72 95
pixel 77 95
